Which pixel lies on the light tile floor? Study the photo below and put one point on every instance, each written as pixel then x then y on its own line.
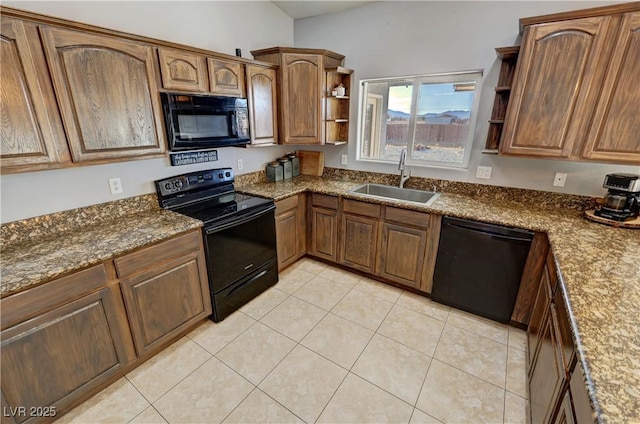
pixel 326 345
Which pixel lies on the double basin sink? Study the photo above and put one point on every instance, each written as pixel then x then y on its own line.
pixel 422 197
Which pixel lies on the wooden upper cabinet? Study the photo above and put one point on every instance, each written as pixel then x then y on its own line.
pixel 302 95
pixel 226 78
pixel 108 95
pixel 31 130
pixel 262 96
pixel 561 64
pixel 183 70
pixel 302 86
pixel 614 133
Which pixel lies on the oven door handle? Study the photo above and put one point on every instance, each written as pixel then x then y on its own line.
pixel 240 221
pixel 251 280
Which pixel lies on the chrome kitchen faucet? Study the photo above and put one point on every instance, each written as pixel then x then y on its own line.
pixel 401 166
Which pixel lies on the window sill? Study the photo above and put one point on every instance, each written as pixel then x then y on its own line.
pixel 417 165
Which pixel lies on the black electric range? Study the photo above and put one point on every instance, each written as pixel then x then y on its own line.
pixel 239 234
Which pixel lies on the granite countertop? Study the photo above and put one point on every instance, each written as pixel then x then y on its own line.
pixel 40 259
pixel 599 265
pixel 599 269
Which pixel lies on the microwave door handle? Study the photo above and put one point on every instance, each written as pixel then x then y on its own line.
pixel 233 120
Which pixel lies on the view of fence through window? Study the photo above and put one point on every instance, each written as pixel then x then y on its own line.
pixel 430 116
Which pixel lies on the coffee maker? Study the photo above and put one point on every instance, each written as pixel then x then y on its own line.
pixel 622 202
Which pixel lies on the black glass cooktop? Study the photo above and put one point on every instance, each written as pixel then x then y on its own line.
pixel 223 206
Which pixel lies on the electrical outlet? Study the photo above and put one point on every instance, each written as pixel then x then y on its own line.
pixel 115 185
pixel 240 164
pixel 559 179
pixel 345 159
pixel 483 172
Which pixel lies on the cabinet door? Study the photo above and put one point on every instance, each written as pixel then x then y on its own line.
pixel 565 413
pixel 548 373
pixel 324 233
pixel 108 95
pixel 32 132
pixel 164 300
pixel 538 315
pixel 301 99
pixel 402 252
pixel 553 95
pixel 263 104
pixel 614 133
pixel 56 357
pixel 287 235
pixel 359 241
pixel 226 78
pixel 183 70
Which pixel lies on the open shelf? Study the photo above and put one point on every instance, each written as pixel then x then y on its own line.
pixel 509 57
pixel 336 112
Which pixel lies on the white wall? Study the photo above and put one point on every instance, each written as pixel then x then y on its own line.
pixel 394 38
pixel 221 26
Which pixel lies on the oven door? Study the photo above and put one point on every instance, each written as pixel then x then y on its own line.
pixel 238 248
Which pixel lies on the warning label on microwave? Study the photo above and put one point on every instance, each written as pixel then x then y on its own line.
pixel 189 158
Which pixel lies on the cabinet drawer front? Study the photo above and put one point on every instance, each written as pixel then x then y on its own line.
pixel 362 208
pixel 151 256
pixel 48 360
pixel 163 300
pixel 330 202
pixel 27 304
pixel 286 204
pixel 404 216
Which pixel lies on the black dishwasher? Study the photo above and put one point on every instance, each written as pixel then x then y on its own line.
pixel 479 267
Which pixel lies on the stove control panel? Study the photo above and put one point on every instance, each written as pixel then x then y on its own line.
pixel 194 181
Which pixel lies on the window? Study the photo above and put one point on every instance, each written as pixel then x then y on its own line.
pixel 432 116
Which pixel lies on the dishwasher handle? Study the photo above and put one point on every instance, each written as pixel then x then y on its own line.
pixel 526 237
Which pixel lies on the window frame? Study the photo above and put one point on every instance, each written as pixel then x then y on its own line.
pixel 475 75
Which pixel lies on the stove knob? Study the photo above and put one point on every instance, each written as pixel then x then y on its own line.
pixel 220 175
pixel 227 174
pixel 168 186
pixel 178 184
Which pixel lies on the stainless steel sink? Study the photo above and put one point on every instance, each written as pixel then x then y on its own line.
pixel 405 194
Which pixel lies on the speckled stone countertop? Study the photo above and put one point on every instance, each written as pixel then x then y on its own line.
pixel 600 274
pixel 37 259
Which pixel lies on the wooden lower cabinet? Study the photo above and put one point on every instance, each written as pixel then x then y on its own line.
pixel 290 230
pixel 402 251
pixel 65 350
pixel 552 355
pixel 66 339
pixel 166 299
pixel 548 374
pixel 323 242
pixel 565 414
pixel 398 245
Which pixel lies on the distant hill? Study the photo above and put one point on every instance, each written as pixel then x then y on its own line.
pixel 460 114
pixel 394 114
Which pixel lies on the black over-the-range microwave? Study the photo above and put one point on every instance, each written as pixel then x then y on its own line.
pixel 196 122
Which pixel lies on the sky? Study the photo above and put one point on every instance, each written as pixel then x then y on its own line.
pixel 433 98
